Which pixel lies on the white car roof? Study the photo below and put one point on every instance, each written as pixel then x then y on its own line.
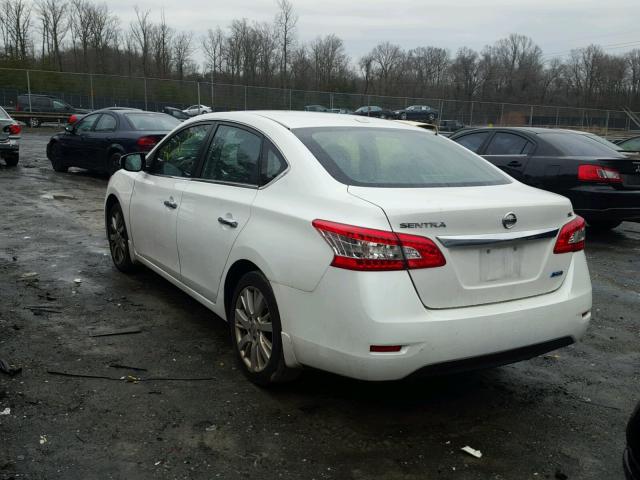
pixel 296 119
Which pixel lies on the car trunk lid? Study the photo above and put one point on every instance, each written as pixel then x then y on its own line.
pixel 486 262
pixel 629 169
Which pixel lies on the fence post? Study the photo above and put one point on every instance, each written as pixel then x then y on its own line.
pixel 245 97
pixel 531 116
pixel 29 90
pixel 91 88
pixel 198 88
pixel 145 93
pixel 471 114
pixel 557 116
pixel 606 126
pixel 290 100
pixel 502 115
pixel 441 109
pixel 331 101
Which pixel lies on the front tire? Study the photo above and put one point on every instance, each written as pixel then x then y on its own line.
pixel 113 163
pixel 431 117
pixel 254 322
pixel 119 239
pixel 56 158
pixel 403 116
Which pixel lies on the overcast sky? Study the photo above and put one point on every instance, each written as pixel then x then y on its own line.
pixel 556 25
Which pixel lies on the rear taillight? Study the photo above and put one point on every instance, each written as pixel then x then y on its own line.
pixel 571 237
pixel 72 119
pixel 597 173
pixel 357 248
pixel 14 129
pixel 147 143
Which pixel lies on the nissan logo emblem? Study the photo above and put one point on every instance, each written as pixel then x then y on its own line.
pixel 509 220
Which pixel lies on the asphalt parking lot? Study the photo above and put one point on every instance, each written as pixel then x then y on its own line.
pixel 191 414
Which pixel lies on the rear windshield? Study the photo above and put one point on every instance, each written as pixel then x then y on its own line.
pixel 152 121
pixel 390 157
pixel 574 144
pixel 4 115
pixel 605 142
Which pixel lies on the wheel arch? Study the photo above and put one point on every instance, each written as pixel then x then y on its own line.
pixel 234 274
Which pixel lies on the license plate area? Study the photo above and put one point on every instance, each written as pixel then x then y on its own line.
pixel 501 263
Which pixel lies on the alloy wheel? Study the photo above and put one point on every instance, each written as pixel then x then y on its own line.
pixel 253 329
pixel 117 237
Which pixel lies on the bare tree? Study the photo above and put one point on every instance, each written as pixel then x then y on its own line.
pixel 162 38
pixel 286 21
pixel 55 25
pixel 213 46
pixel 182 51
pixel 142 33
pixel 387 57
pixel 15 18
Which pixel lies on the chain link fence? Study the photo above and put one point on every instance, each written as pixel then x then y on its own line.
pixel 94 91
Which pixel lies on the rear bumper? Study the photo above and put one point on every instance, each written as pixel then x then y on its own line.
pixel 10 146
pixel 605 203
pixel 333 327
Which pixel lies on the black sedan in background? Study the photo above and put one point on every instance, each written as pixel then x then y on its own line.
pixel 417 112
pixel 630 144
pixel 374 111
pixel 602 184
pixel 9 139
pixel 98 140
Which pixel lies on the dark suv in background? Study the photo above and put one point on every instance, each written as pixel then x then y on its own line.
pixel 45 108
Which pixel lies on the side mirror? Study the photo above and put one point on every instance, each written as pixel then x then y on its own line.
pixel 69 129
pixel 133 162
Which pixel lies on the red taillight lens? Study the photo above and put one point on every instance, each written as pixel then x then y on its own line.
pixel 14 129
pixel 72 119
pixel 357 248
pixel 385 348
pixel 596 173
pixel 147 143
pixel 571 237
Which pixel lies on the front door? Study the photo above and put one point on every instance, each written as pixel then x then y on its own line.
pixel 73 144
pixel 157 197
pixel 217 206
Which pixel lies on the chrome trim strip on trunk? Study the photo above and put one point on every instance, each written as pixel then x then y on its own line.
pixel 493 238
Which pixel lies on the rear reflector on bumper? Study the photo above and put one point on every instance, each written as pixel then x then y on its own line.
pixel 385 348
pixel 358 248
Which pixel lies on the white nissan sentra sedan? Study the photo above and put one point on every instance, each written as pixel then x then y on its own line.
pixel 359 246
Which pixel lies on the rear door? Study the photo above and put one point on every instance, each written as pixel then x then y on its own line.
pixel 510 152
pixel 157 197
pixel 217 206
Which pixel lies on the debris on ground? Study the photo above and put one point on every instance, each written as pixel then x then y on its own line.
pixel 43 439
pixel 10 370
pixel 42 308
pixel 29 276
pixel 471 451
pixel 6 411
pixel 77 281
pixel 126 331
pixel 127 367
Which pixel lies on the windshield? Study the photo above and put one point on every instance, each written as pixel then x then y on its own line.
pixel 152 121
pixel 390 157
pixel 578 145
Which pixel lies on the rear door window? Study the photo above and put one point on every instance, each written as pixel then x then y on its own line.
pixel 473 141
pixel 107 123
pixel 272 164
pixel 504 143
pixel 233 156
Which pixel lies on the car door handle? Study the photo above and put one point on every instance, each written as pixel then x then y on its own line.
pixel 514 163
pixel 230 223
pixel 170 204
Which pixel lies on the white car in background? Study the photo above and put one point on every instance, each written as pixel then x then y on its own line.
pixel 194 110
pixel 363 247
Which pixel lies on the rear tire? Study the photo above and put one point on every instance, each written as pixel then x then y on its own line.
pixel 403 116
pixel 12 160
pixel 119 239
pixel 603 225
pixel 34 122
pixel 254 323
pixel 431 117
pixel 55 155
